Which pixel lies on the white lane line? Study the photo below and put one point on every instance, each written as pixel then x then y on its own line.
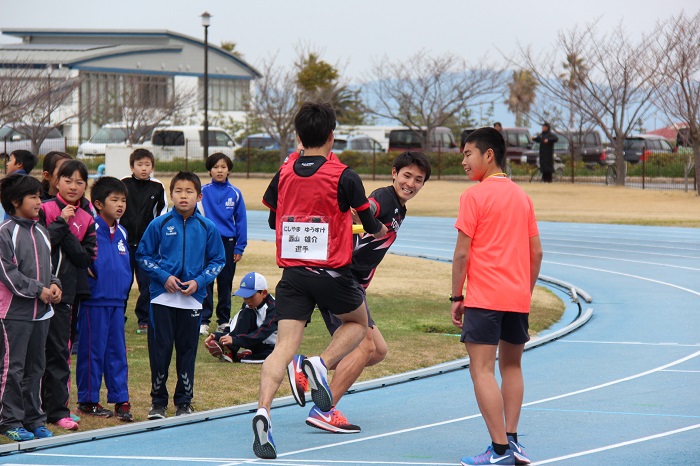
pixel 659 282
pixel 682 371
pixel 646 253
pixel 641 343
pixel 617 259
pixel 619 445
pixel 473 416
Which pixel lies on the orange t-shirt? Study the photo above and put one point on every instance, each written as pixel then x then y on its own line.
pixel 500 220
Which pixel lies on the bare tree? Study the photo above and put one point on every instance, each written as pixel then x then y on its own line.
pixel 16 86
pixel 275 101
pixel 425 91
pixel 678 87
pixel 615 89
pixel 45 105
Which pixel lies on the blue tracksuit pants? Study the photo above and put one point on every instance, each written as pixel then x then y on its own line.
pixel 101 352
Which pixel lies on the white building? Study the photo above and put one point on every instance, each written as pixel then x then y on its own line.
pixel 157 63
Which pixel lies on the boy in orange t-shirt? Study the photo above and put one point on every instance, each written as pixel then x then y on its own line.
pixel 498 252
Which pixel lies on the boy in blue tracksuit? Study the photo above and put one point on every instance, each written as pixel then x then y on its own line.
pixel 101 347
pixel 182 253
pixel 222 203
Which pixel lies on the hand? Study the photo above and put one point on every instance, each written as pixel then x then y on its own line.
pixel 172 284
pixel 226 340
pixel 188 288
pixel 209 338
pixel 237 257
pixel 355 217
pixel 68 212
pixel 56 293
pixel 91 274
pixel 457 313
pixel 45 295
pixel 546 141
pixel 381 233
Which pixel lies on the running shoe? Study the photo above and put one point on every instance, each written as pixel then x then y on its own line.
pixel 214 348
pixel 123 411
pixel 42 432
pixel 519 452
pixel 156 412
pixel 183 408
pixel 317 375
pixel 490 457
pixel 204 329
pixel 143 328
pixel 297 379
pixel 75 417
pixel 222 328
pixel 19 434
pixel 94 409
pixel 67 423
pixel 331 421
pixel 263 445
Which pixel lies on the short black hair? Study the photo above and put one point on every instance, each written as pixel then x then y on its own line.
pixel 139 154
pixel 72 166
pixel 15 187
pixel 104 187
pixel 26 158
pixel 186 176
pixel 488 138
pixel 413 157
pixel 314 123
pixel 214 158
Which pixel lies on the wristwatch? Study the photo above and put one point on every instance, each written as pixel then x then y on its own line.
pixel 455 299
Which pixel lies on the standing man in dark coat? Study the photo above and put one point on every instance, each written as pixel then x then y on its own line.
pixel 546 139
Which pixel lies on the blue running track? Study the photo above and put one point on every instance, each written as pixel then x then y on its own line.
pixel 622 389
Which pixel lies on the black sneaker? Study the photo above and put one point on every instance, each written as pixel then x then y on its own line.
pixel 123 411
pixel 156 412
pixel 184 408
pixel 94 409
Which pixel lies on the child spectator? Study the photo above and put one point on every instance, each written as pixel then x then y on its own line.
pixel 73 249
pixel 182 253
pixel 222 203
pixel 253 327
pixel 145 200
pixel 27 288
pixel 102 348
pixel 20 161
pixel 52 163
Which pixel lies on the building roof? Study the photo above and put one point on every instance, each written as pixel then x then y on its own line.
pixel 160 52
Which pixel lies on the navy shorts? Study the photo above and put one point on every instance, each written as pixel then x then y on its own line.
pixel 488 327
pixel 332 322
pixel 301 289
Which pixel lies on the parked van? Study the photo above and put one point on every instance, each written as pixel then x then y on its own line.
pixel 357 143
pixel 186 142
pixel 518 142
pixel 17 138
pixel 441 139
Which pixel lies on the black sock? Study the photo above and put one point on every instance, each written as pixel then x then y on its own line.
pixel 514 435
pixel 498 448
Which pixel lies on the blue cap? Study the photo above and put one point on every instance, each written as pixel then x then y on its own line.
pixel 251 284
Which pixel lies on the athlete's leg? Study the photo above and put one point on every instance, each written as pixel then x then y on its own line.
pixel 371 350
pixel 482 362
pixel 289 335
pixel 347 337
pixel 512 385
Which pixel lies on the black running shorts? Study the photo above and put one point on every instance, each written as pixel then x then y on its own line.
pixel 301 289
pixel 488 327
pixel 333 322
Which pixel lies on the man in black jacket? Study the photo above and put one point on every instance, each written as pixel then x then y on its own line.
pixel 546 139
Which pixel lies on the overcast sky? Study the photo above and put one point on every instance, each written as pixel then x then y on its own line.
pixel 354 34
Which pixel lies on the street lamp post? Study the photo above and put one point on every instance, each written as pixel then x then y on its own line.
pixel 49 70
pixel 206 20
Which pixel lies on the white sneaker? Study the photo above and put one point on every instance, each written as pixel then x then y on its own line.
pixel 222 328
pixel 204 329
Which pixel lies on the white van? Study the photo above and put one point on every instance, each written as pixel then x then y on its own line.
pixel 182 142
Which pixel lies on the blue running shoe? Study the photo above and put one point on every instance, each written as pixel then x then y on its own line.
pixel 490 457
pixel 42 432
pixel 75 417
pixel 519 452
pixel 331 421
pixel 19 434
pixel 317 374
pixel 297 379
pixel 263 445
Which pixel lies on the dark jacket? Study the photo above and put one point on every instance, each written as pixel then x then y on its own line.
pixel 546 150
pixel 145 200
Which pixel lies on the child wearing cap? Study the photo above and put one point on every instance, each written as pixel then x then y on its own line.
pixel 253 328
